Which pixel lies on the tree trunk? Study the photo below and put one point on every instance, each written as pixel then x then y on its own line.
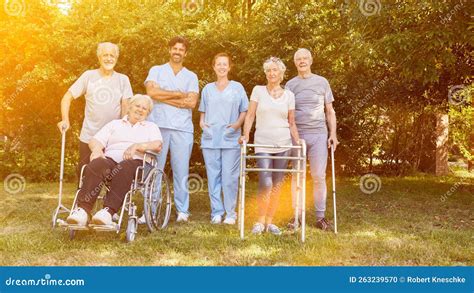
pixel 442 129
pixel 470 163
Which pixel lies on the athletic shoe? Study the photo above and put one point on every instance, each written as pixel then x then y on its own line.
pixel 323 224
pixel 77 217
pixel 292 225
pixel 271 228
pixel 258 228
pixel 102 217
pixel 182 217
pixel 216 219
pixel 229 221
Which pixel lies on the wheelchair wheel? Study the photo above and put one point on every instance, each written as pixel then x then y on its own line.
pixel 131 229
pixel 157 196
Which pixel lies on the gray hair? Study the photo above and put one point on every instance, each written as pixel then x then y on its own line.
pixel 304 50
pixel 102 46
pixel 278 62
pixel 139 97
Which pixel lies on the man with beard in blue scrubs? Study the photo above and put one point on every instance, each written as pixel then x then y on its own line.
pixel 175 90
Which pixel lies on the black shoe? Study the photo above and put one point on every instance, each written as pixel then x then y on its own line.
pixel 292 225
pixel 323 224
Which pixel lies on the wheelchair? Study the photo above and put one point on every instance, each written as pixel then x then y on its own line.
pixel 150 182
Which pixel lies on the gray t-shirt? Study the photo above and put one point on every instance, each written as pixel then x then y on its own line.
pixel 103 99
pixel 311 94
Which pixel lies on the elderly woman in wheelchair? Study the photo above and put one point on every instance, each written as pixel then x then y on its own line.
pixel 118 149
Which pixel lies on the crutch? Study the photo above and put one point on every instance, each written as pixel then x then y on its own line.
pixel 243 163
pixel 333 186
pixel 61 208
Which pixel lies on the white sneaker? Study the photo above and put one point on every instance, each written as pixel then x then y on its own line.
pixel 216 219
pixel 77 217
pixel 182 217
pixel 229 221
pixel 102 217
pixel 141 220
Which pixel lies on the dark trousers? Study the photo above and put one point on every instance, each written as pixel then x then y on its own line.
pixel 84 155
pixel 100 170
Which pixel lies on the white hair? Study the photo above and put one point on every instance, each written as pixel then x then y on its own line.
pixel 278 62
pixel 102 46
pixel 139 97
pixel 303 50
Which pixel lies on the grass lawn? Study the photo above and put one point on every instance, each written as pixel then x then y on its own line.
pixel 405 223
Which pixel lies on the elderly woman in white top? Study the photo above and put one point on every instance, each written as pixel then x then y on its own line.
pixel 274 108
pixel 117 150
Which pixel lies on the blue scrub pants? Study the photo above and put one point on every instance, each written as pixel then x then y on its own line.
pixel 180 145
pixel 222 167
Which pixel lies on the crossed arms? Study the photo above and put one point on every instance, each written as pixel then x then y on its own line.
pixel 173 98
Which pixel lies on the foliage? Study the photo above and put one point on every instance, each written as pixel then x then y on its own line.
pixel 390 72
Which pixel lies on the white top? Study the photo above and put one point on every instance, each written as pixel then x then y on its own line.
pixel 272 126
pixel 117 135
pixel 103 99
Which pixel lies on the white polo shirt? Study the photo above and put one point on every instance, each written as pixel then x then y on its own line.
pixel 117 135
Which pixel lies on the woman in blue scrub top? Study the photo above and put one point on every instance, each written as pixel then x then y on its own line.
pixel 223 107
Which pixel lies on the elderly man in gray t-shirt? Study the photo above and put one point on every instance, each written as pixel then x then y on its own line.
pixel 314 114
pixel 106 93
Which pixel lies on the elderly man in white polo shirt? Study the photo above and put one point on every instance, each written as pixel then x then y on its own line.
pixel 116 152
pixel 105 92
pixel 175 91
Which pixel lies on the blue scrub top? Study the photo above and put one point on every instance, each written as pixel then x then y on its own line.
pixel 221 109
pixel 167 116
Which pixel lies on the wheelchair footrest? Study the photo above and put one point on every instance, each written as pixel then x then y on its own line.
pixel 73 226
pixel 113 227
